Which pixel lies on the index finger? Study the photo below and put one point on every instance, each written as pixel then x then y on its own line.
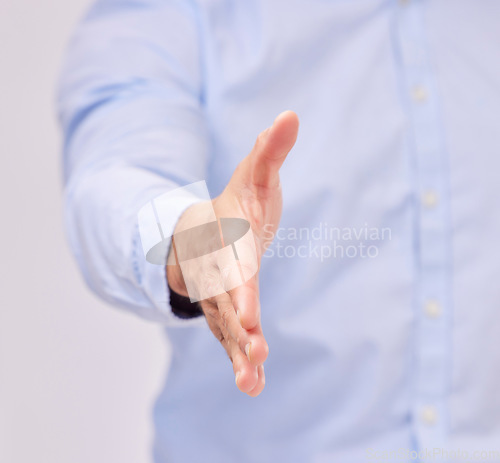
pixel 245 299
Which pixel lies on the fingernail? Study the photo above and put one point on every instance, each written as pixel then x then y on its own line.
pixel 236 377
pixel 247 350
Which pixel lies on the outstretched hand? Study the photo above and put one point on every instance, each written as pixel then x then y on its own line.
pixel 253 194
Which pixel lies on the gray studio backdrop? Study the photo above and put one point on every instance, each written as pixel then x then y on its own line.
pixel 77 378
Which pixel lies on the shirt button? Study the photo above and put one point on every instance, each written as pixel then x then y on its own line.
pixel 419 93
pixel 432 309
pixel 430 199
pixel 429 415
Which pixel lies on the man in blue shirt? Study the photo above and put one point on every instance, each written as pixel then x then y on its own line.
pixel 379 294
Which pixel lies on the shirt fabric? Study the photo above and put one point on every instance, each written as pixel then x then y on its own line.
pixel 380 294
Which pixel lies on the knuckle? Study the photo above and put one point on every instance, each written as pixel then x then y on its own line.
pixel 225 317
pixel 210 312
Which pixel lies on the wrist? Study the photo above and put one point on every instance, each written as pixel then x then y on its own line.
pixel 175 280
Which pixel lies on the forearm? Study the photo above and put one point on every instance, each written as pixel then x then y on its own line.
pixel 129 102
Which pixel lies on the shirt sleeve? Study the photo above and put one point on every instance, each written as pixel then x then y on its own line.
pixel 130 104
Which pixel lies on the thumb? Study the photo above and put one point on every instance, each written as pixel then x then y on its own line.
pixel 269 152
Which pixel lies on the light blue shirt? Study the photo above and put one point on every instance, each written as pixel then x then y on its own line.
pixel 381 293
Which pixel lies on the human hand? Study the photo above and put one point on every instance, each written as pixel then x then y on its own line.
pixel 252 194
